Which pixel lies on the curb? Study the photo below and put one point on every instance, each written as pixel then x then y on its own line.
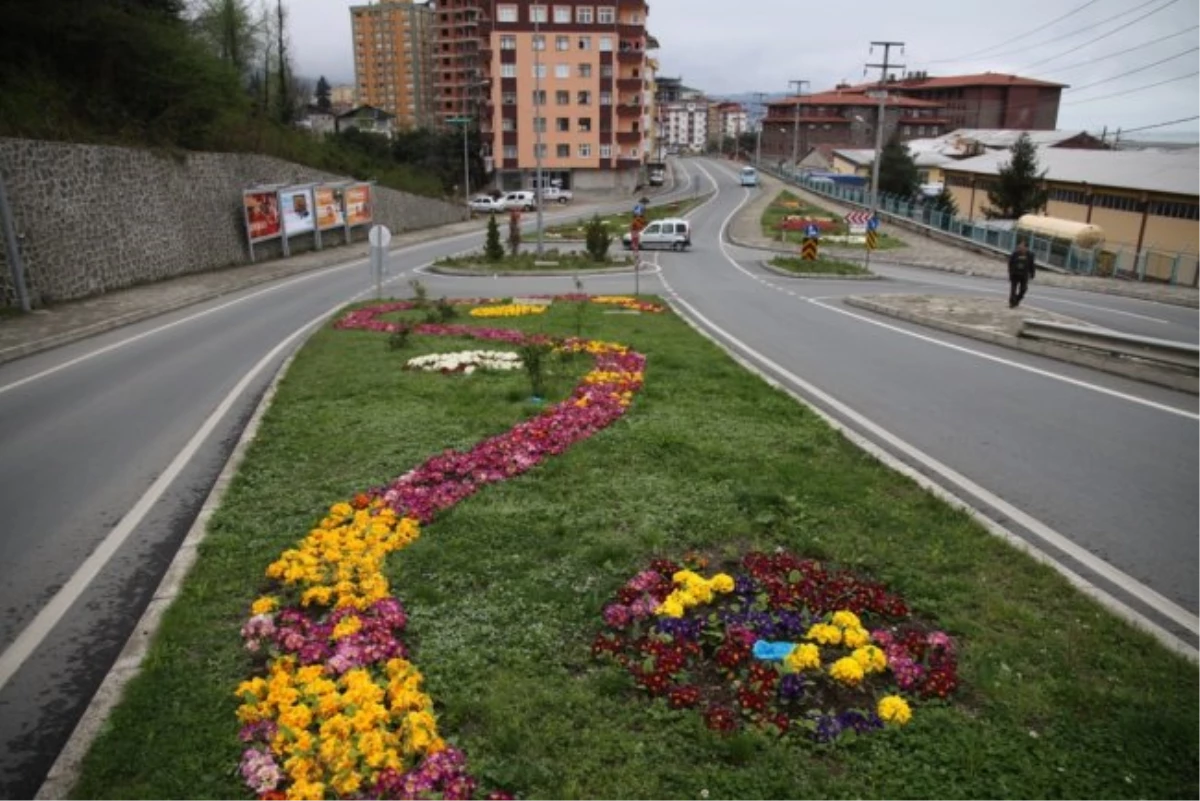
pixel 461 273
pixel 64 773
pixel 1107 364
pixel 766 265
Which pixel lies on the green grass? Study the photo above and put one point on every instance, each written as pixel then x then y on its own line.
pixel 787 204
pixel 1058 698
pixel 796 264
pixel 527 261
pixel 619 223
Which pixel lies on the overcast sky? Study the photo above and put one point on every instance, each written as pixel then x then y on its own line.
pixel 763 44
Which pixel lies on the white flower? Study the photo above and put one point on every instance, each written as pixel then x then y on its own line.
pixel 466 361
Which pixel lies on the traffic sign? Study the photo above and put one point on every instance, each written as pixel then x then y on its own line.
pixel 638 210
pixel 872 240
pixel 873 224
pixel 858 217
pixel 808 250
pixel 637 224
pixel 811 231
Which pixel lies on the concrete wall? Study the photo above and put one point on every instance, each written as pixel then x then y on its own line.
pixel 92 219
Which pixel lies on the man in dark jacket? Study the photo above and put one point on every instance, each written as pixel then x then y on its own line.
pixel 1020 270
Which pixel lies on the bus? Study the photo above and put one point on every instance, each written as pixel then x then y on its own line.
pixel 749 176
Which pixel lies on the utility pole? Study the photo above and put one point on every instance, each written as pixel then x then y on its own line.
pixel 796 122
pixel 761 122
pixel 538 121
pixel 882 118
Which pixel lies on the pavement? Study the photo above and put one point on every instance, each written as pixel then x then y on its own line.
pixel 745 230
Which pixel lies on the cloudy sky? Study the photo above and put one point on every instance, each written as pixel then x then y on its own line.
pixel 728 48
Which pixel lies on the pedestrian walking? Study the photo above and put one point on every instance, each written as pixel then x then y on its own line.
pixel 1021 269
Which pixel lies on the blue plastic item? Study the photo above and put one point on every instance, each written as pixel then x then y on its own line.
pixel 772 651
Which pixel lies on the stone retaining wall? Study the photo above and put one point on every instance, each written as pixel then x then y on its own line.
pixel 92 218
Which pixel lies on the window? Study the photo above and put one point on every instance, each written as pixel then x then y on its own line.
pixel 539 42
pixel 585 151
pixel 509 98
pixel 606 98
pixel 584 98
pixel 583 15
pixel 562 98
pixel 920 130
pixel 508 70
pixel 562 124
pixel 540 150
pixel 508 124
pixel 585 43
pixel 510 151
pixel 585 70
pixel 562 43
pixel 538 71
pixel 1182 211
pixel 538 14
pixel 563 151
pixel 907 130
pixel 585 124
pixel 539 124
pixel 605 44
pixel 606 71
pixel 605 151
pixel 508 43
pixel 562 70
pixel 562 15
pixel 606 15
pixel 539 97
pixel 506 13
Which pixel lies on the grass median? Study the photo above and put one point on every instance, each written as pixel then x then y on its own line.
pixel 787 205
pixel 795 264
pixel 505 590
pixel 527 261
pixel 619 223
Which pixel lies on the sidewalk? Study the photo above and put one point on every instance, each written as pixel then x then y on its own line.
pixel 746 231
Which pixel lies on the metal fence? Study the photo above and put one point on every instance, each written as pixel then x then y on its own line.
pixel 1118 262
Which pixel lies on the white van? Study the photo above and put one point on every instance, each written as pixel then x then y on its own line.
pixel 520 201
pixel 749 176
pixel 672 233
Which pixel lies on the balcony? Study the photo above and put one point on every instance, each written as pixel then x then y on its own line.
pixel 630 110
pixel 629 137
pixel 629 84
pixel 631 52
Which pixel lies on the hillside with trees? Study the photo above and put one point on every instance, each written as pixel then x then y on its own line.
pixel 211 75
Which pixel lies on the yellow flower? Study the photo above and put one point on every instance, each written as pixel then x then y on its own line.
pixel 264 605
pixel 722 583
pixel 894 709
pixel 824 634
pixel 672 607
pixel 846 619
pixel 803 657
pixel 296 717
pixel 348 625
pixel 848 671
pixel 306 790
pixel 856 637
pixel 871 658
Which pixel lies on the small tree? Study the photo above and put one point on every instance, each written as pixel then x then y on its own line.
pixel 514 233
pixel 493 250
pixel 943 203
pixel 323 90
pixel 598 239
pixel 897 170
pixel 1018 189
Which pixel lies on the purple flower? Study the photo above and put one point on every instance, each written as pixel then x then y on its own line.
pixel 617 615
pixel 792 686
pixel 259 770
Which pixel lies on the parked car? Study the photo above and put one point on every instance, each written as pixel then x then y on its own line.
pixel 554 194
pixel 672 233
pixel 520 201
pixel 486 204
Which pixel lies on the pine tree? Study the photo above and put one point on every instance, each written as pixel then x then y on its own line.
pixel 897 170
pixel 323 101
pixel 1018 190
pixel 492 248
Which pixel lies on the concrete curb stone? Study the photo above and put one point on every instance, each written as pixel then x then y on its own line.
pixel 766 265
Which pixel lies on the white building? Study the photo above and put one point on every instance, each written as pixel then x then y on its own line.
pixel 685 124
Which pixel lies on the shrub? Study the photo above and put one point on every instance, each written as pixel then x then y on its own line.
pixel 493 250
pixel 598 239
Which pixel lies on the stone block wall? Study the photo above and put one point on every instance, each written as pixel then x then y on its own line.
pixel 94 218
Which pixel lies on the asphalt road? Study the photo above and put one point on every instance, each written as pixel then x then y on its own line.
pixel 1108 463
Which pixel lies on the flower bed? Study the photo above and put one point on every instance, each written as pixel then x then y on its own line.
pixel 786 645
pixel 338 709
pixel 466 361
pixel 508 310
pixel 626 302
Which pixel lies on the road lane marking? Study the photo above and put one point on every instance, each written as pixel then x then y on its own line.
pixel 36 631
pixel 951 346
pixel 1169 609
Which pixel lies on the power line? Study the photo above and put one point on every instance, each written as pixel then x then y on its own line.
pixel 1015 38
pixel 1090 62
pixel 1101 36
pixel 1159 125
pixel 1131 72
pixel 1131 91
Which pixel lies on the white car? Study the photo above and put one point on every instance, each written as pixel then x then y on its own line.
pixel 486 203
pixel 672 233
pixel 554 194
pixel 520 201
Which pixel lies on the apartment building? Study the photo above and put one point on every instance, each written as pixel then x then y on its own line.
pixel 393 59
pixel 462 30
pixel 683 116
pixel 727 119
pixel 568 83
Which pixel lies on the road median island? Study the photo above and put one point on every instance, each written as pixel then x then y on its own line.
pixel 990 320
pixel 546 536
pixel 796 267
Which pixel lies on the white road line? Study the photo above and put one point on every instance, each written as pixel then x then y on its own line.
pixel 32 636
pixel 951 346
pixel 1164 606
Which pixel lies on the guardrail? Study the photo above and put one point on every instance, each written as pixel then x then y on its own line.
pixel 1162 351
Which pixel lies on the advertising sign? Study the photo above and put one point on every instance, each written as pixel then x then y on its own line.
pixel 358 204
pixel 262 215
pixel 329 207
pixel 298 216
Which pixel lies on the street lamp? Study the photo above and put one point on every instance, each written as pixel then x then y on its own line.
pixel 761 122
pixel 537 127
pixel 465 122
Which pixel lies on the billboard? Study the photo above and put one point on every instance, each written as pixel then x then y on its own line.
pixel 262 215
pixel 358 204
pixel 329 207
pixel 298 215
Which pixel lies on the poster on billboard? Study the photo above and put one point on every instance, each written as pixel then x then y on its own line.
pixel 298 216
pixel 358 204
pixel 329 208
pixel 262 214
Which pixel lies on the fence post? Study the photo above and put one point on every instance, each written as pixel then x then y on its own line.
pixel 1175 270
